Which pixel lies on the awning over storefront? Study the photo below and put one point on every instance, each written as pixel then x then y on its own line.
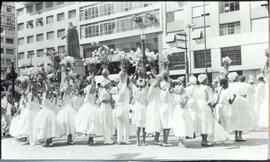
pixel 170 38
pixel 197 34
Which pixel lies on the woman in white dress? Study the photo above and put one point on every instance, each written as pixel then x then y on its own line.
pixel 122 109
pixel 222 113
pixel 165 111
pixel 106 111
pixel 182 121
pixel 45 126
pixel 153 121
pixel 240 118
pixel 206 116
pixel 66 119
pixel 28 116
pixel 192 104
pixel 87 117
pixel 139 110
pixel 262 100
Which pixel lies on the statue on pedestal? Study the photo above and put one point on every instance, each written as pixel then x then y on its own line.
pixel 72 42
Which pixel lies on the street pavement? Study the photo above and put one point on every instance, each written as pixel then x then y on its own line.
pixel 255 148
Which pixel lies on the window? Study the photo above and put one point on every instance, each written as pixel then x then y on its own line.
pixel 170 17
pixel 20 12
pixel 39 37
pixel 257 4
pixel 30 39
pixel 9 9
pixel 39 6
pixel 30 24
pixel 8 61
pixel 60 16
pixel 60 33
pixel 21 55
pixel 9 40
pixel 229 28
pixel 71 14
pixel 90 30
pixel 10 51
pixel 89 13
pixel 2 50
pixel 128 6
pixel 177 61
pixel 61 49
pixel 199 58
pixel 21 41
pixel 59 3
pixel 30 54
pixel 198 11
pixel 106 9
pixel 29 9
pixel 107 28
pixel 49 4
pixel 21 26
pixel 124 25
pixel 234 53
pixel 49 19
pixel 40 53
pixel 50 35
pixel 39 22
pixel 10 21
pixel 228 6
pixel 259 24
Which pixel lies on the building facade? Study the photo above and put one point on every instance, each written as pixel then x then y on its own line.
pixel 8 41
pixel 239 30
pixel 235 29
pixel 41 27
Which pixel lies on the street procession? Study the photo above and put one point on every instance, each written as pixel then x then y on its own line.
pixel 53 101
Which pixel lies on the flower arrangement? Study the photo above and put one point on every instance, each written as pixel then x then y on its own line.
pixel 226 61
pixel 67 60
pixel 151 56
pixel 23 78
pixel 90 61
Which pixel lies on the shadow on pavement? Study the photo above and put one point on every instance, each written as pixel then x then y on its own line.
pixel 130 156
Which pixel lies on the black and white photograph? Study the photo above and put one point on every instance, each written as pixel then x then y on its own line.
pixel 135 80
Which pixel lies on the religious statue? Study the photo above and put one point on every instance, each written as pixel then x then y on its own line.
pixel 72 45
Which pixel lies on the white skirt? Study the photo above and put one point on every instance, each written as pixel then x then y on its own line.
pixel 139 115
pixel 66 120
pixel 182 122
pixel 153 121
pixel 165 114
pixel 14 126
pixel 195 116
pixel 45 124
pixel 206 117
pixel 87 119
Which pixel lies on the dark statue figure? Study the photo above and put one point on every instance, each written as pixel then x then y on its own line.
pixel 72 45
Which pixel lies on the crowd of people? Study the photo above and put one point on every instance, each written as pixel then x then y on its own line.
pixel 153 103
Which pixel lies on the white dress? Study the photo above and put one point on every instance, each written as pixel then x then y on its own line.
pixel 204 111
pixel 139 107
pixel 27 120
pixel 153 121
pixel 262 103
pixel 45 121
pixel 87 117
pixel 165 109
pixel 66 118
pixel 193 107
pixel 182 121
pixel 15 123
pixel 240 115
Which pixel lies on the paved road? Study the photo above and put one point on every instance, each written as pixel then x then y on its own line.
pixel 256 148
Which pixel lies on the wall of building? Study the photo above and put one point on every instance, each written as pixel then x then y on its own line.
pixel 7 32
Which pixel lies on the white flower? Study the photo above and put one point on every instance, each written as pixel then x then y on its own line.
pixel 202 77
pixel 50 76
pixel 226 60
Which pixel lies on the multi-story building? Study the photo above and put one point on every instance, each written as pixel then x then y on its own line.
pixel 8 35
pixel 235 29
pixel 41 27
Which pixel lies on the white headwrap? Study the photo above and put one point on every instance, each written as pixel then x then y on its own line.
pixel 232 76
pixel 192 79
pixel 164 85
pixel 202 77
